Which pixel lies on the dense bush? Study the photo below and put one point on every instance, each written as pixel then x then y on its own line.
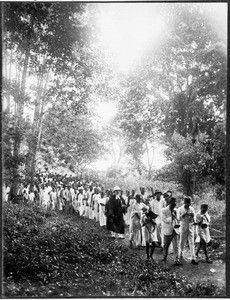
pixel 49 255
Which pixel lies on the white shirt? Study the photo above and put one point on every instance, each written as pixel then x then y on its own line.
pixel 167 221
pixel 186 223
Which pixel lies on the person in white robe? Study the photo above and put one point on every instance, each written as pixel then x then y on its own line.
pixel 91 193
pixel 53 198
pixel 96 205
pixel 130 202
pixel 46 198
pixel 135 225
pixel 102 203
pixel 86 201
pixel 203 220
pixel 80 201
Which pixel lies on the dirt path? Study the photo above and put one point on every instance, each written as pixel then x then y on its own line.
pixel 203 272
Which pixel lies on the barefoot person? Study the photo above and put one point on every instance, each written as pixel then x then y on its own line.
pixel 135 225
pixel 170 230
pixel 186 215
pixel 203 220
pixel 149 225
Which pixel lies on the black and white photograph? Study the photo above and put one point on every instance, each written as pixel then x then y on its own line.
pixel 114 149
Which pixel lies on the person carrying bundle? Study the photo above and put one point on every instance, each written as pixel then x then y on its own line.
pixel 148 224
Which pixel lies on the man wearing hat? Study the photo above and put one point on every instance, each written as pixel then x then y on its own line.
pixel 186 215
pixel 203 220
pixel 170 230
pixel 116 208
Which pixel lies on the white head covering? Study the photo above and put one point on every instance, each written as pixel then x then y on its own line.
pixel 116 188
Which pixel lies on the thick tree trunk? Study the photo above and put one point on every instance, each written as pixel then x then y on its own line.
pixel 37 124
pixel 18 123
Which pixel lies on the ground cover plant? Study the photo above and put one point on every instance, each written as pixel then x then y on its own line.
pixel 48 254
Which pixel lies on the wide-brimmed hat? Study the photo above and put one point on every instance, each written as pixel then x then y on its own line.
pixel 116 188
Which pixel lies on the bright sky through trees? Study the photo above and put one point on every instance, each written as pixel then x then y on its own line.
pixel 127 29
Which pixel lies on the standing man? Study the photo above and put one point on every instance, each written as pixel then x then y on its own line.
pixel 116 208
pixel 203 221
pixel 170 230
pixel 186 215
pixel 155 207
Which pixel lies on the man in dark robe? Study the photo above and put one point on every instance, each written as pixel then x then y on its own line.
pixel 115 210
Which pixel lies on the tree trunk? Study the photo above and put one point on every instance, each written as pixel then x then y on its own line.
pixel 37 124
pixel 18 123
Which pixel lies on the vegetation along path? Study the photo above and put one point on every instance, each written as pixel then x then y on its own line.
pixel 49 254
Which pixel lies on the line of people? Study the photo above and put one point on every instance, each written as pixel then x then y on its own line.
pixel 153 220
pixel 159 222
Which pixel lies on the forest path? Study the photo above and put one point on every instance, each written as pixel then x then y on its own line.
pixel 203 272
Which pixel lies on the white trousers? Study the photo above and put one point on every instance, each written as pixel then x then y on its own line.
pixel 184 236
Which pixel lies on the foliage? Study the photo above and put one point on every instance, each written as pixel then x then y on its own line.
pixel 10 135
pixel 192 163
pixel 180 86
pixel 56 256
pixel 70 139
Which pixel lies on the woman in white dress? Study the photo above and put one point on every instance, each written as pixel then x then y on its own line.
pixel 96 205
pixel 135 225
pixel 91 193
pixel 80 201
pixel 102 203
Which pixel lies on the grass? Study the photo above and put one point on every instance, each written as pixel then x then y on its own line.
pixel 58 255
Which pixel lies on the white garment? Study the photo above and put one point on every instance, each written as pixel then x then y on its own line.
pixel 46 196
pixel 95 207
pixel 31 197
pixel 102 217
pixel 155 207
pixel 186 230
pixel 203 232
pixel 80 204
pixel 135 225
pixel 53 198
pixel 167 222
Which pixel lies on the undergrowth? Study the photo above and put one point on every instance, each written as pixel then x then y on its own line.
pixel 48 254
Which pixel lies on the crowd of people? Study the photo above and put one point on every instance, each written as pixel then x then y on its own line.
pixel 152 220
